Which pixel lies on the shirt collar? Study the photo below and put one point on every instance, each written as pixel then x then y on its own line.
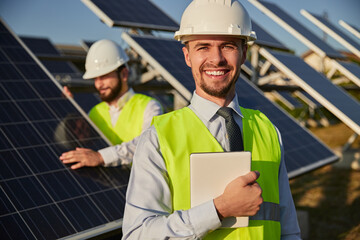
pixel 207 109
pixel 125 98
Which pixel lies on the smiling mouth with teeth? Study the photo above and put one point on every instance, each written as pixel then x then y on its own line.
pixel 215 73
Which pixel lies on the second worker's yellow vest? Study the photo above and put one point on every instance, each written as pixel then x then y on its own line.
pixel 129 123
pixel 181 133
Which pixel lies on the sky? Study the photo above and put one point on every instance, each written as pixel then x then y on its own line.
pixel 70 21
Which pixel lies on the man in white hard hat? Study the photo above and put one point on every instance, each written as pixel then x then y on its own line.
pixel 121 116
pixel 158 206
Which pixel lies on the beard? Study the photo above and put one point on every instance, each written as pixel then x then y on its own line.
pixel 114 92
pixel 217 91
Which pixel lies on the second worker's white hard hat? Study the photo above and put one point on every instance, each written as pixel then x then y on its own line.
pixel 215 17
pixel 104 56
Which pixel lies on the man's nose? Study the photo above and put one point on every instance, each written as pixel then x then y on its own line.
pixel 216 56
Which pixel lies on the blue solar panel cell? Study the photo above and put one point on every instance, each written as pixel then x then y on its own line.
pixel 8 72
pixel 17 55
pixel 135 13
pixel 4 143
pixel 43 47
pixel 35 110
pixel 106 203
pixel 40 46
pixel 85 101
pixel 53 225
pixel 12 166
pixel 41 197
pixel 13 227
pixel 59 69
pixel 34 159
pixel 298 143
pixel 10 114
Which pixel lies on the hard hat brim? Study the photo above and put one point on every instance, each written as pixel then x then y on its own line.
pixel 186 38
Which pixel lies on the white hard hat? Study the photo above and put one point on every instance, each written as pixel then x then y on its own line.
pixel 215 17
pixel 104 56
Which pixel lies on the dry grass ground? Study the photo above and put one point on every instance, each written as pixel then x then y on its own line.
pixel 331 195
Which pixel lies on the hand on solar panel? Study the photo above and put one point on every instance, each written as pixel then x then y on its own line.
pixel 67 92
pixel 82 157
pixel 233 203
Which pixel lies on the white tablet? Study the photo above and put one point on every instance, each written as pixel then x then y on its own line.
pixel 211 172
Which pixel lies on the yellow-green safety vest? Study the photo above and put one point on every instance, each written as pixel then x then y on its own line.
pixel 181 133
pixel 130 121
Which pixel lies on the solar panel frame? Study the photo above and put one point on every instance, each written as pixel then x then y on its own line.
pixel 308 99
pixel 332 97
pixel 33 206
pixel 286 98
pixel 333 31
pixel 166 57
pixel 349 69
pixel 295 28
pixel 141 14
pixel 351 28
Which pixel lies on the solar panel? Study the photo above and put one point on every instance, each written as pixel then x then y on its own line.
pixel 42 47
pixel 141 14
pixel 62 70
pixel 351 28
pixel 41 197
pixel 303 152
pixel 297 29
pixel 263 38
pixel 287 99
pixel 332 97
pixel 333 31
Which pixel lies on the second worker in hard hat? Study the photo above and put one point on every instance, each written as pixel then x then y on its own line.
pixel 158 198
pixel 121 116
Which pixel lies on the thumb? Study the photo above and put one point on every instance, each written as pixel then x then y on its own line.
pixel 250 177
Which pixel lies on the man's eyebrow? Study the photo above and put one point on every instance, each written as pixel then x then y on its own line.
pixel 205 44
pixel 201 44
pixel 230 42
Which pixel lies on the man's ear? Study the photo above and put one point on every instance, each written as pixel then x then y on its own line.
pixel 186 56
pixel 124 74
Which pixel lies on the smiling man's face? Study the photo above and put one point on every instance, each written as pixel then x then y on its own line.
pixel 215 62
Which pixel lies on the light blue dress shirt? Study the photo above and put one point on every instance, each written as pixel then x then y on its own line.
pixel 148 209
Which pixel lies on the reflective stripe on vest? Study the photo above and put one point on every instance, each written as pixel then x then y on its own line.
pixel 129 123
pixel 181 133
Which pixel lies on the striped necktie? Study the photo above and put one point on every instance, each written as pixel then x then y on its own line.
pixel 233 130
